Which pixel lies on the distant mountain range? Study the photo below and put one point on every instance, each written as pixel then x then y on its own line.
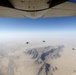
pixel 42 54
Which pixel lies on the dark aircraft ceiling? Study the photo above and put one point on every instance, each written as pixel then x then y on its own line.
pixel 51 3
pixel 6 3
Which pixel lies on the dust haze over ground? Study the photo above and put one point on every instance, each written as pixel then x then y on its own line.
pixel 52 57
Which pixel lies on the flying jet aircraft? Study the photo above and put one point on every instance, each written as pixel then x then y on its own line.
pixel 43 41
pixel 73 49
pixel 27 42
pixel 37 8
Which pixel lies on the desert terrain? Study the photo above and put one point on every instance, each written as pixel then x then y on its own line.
pixel 52 57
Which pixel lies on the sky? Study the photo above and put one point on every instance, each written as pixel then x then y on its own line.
pixel 36 25
pixel 38 28
pixel 72 0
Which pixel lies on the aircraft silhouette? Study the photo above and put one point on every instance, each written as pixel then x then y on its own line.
pixel 37 8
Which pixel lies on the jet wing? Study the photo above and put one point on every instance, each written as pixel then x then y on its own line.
pixel 9 12
pixel 64 9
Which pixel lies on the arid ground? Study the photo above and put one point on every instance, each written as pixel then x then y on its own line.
pixel 53 57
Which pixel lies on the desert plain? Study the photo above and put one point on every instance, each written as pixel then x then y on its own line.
pixel 52 57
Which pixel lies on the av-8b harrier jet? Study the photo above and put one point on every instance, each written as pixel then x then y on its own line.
pixel 37 8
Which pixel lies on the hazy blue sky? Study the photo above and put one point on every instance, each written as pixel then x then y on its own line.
pixel 47 24
pixel 73 0
pixel 48 27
